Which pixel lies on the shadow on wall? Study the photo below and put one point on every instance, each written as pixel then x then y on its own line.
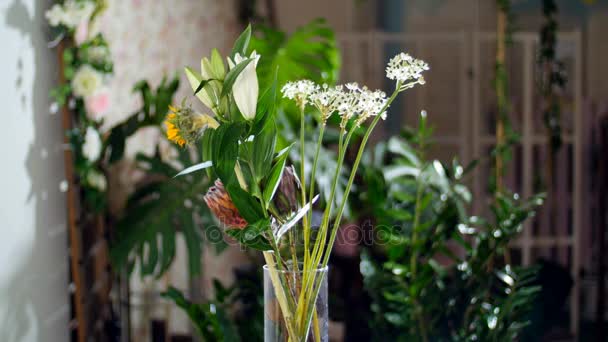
pixel 34 302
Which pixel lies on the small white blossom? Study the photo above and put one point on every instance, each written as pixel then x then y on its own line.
pixel 362 103
pixel 71 13
pixel 327 100
pixel 300 91
pixel 98 54
pixel 97 180
pixel 91 148
pixel 86 81
pixel 371 103
pixel 406 69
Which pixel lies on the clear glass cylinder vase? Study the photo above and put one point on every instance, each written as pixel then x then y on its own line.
pixel 281 283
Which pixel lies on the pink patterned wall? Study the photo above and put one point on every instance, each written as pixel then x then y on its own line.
pixel 150 39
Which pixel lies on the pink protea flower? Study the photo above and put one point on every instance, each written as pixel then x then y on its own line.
pixel 219 202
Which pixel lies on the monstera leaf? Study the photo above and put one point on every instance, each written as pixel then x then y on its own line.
pixel 156 212
pixel 309 53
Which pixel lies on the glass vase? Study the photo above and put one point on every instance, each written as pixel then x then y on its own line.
pixel 288 282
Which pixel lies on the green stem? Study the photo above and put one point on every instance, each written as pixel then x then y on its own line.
pixel 353 173
pixel 351 179
pixel 312 177
pixel 306 226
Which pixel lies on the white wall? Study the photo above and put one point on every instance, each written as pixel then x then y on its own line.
pixel 34 302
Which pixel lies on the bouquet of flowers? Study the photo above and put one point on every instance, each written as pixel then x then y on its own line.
pixel 263 201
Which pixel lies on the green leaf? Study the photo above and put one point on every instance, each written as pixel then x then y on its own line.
pixel 263 149
pixel 274 177
pixel 247 205
pixel 203 84
pixel 310 52
pixel 209 318
pixel 217 64
pixel 252 235
pixel 207 147
pixel 267 104
pixel 225 150
pixel 242 42
pixel 232 76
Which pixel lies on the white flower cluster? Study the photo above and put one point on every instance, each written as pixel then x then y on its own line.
pixel 327 99
pixel 405 68
pixel 87 81
pixel 363 103
pixel 70 13
pixel 352 101
pixel 299 90
pixel 349 100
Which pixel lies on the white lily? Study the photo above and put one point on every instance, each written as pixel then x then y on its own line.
pixel 246 88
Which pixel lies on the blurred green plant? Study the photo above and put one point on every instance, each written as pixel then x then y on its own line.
pixel 162 206
pixel 432 274
pixel 235 313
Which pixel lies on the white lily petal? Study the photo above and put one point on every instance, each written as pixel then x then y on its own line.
pixel 246 88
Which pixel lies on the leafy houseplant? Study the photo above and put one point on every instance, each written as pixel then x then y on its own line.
pixel 265 203
pixel 433 275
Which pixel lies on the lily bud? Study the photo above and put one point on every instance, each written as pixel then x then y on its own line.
pixel 286 197
pixel 219 202
pixel 246 88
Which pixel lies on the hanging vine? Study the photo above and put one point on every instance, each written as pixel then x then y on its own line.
pixel 551 83
pixel 505 136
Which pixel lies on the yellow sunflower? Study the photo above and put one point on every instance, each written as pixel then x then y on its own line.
pixel 185 126
pixel 173 132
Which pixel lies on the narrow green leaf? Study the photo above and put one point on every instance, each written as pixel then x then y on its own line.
pixel 263 149
pixel 232 76
pixel 203 84
pixel 194 168
pixel 274 177
pixel 242 42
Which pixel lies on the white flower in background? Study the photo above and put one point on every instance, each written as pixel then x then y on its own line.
pixel 300 91
pixel 86 81
pixel 97 180
pixel 245 89
pixel 71 13
pixel 91 148
pixel 406 69
pixel 98 54
pixel 55 15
